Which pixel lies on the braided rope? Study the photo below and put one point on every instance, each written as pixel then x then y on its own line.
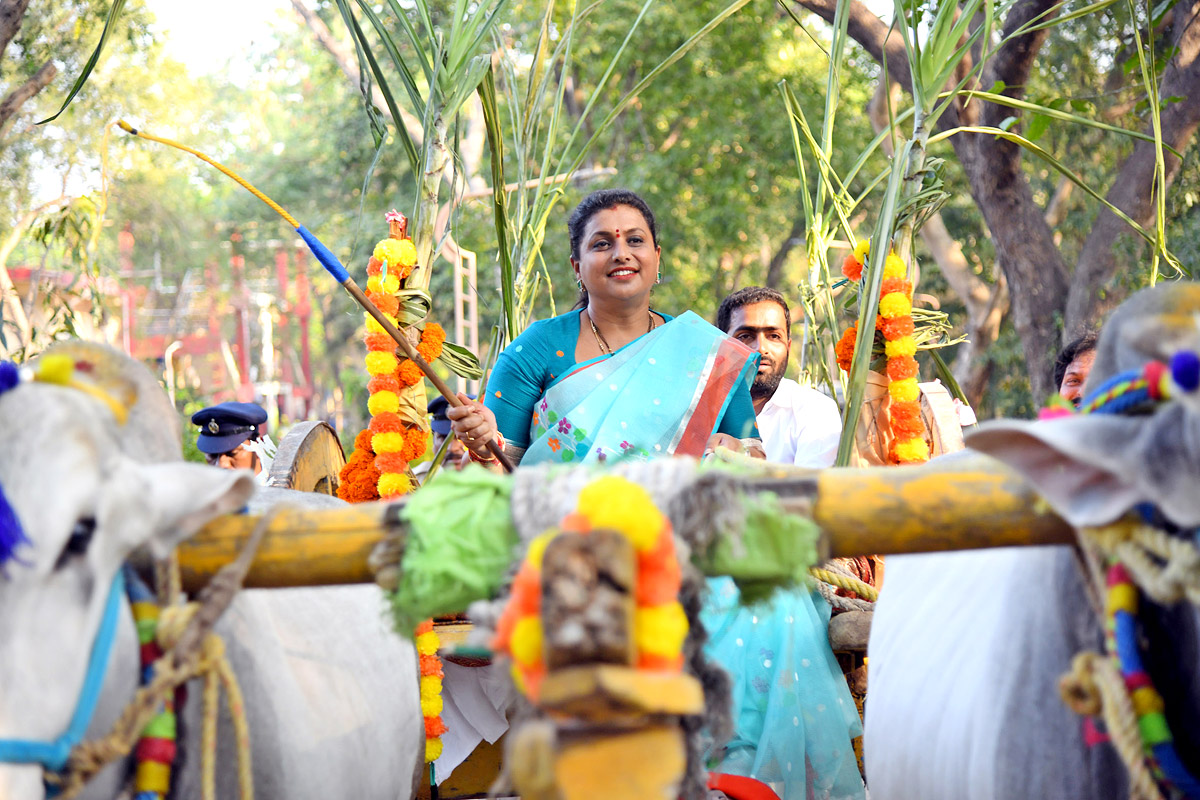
pixel 841 580
pixel 1094 687
pixel 841 603
pixel 1165 567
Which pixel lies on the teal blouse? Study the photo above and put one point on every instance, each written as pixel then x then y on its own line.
pixel 544 353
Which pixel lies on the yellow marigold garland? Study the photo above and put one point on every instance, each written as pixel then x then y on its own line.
pixel 431 689
pixel 895 311
pixel 394 442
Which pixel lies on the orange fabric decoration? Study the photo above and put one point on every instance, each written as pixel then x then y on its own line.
pixel 389 304
pixel 906 420
pixel 660 663
pixel 409 374
pixel 380 342
pixel 359 478
pixel 896 285
pixel 391 462
pixel 844 349
pixel 659 575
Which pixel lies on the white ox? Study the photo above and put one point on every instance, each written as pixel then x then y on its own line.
pixel 331 693
pixel 966 649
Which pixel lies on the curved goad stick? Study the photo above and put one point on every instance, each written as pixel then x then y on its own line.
pixel 339 273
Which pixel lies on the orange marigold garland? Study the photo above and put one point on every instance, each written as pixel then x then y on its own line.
pixel 431 689
pixel 896 324
pixel 393 442
pixel 359 477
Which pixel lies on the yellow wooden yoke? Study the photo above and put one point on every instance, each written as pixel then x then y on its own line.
pixel 956 503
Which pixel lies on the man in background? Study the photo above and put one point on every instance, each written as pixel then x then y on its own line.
pixel 229 437
pixel 1072 366
pixel 439 425
pixel 798 425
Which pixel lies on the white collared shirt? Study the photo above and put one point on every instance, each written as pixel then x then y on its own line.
pixel 800 426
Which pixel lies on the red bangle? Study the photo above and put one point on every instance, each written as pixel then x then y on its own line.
pixel 491 459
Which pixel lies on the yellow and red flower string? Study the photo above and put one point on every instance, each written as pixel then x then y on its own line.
pixel 895 322
pixel 660 624
pixel 431 689
pixel 394 442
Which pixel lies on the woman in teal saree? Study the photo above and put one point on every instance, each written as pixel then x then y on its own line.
pixel 616 380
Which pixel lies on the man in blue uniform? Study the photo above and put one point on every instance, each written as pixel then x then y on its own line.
pixel 229 437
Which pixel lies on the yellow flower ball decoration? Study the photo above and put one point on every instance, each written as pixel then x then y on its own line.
pixel 660 623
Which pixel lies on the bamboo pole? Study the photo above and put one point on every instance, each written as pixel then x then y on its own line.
pixel 949 504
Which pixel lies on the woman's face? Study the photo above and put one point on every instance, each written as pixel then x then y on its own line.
pixel 618 258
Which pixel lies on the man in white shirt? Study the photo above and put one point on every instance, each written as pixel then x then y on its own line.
pixel 798 425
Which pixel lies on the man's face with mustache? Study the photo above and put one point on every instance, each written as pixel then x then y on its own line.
pixel 763 327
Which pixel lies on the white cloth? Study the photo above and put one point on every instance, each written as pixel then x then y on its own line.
pixel 800 426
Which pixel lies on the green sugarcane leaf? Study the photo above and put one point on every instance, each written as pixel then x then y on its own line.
pixel 461 361
pixel 109 23
pixel 414 306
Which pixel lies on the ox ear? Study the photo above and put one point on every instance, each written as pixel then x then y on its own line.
pixel 186 496
pixel 1085 467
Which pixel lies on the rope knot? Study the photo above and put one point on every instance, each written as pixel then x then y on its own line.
pixel 1078 687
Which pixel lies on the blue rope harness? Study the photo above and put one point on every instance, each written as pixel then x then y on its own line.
pixel 53 755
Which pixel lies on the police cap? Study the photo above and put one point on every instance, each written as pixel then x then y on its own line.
pixel 226 425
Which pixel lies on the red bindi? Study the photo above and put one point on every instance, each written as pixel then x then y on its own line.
pixel 618 234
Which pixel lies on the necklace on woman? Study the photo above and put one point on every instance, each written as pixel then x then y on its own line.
pixel 602 343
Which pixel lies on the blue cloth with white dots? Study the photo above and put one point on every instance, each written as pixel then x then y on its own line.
pixel 794 717
pixel 544 355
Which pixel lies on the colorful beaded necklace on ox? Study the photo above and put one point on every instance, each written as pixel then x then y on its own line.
pixel 1133 712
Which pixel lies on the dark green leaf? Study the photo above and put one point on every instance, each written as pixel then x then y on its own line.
pixel 1037 126
pixel 461 361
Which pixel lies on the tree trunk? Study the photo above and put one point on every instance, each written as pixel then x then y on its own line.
pixel 775 265
pixel 1025 246
pixel 11 13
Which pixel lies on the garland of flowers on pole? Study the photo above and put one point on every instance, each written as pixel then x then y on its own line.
pixel 384 450
pixel 895 322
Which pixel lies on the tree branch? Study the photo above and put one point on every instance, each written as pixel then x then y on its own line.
pixel 1093 289
pixel 19 96
pixel 775 265
pixel 875 36
pixel 1013 61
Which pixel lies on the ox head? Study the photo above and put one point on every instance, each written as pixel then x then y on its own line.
pixel 1093 468
pixel 83 505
